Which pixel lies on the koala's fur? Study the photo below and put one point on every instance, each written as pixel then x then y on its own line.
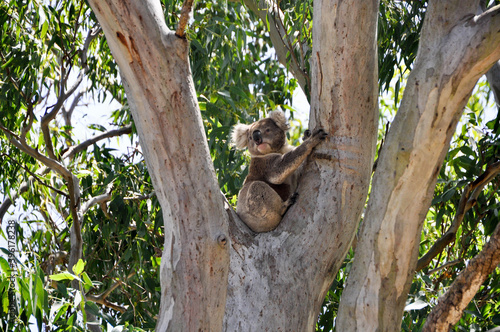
pixel 269 188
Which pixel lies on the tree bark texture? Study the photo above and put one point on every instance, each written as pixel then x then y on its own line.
pixel 456 48
pixel 278 280
pixel 155 70
pixel 216 274
pixel 451 305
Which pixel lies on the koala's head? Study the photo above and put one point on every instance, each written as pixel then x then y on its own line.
pixel 264 136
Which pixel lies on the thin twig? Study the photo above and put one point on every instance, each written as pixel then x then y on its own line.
pixel 187 6
pixel 448 264
pixel 71 152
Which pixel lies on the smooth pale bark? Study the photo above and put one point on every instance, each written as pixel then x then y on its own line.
pixel 278 280
pixel 155 69
pixel 456 48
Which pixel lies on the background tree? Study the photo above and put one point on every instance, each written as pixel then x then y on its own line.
pixel 99 205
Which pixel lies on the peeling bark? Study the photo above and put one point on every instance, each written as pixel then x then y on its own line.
pixel 154 66
pixel 456 48
pixel 278 280
pixel 451 306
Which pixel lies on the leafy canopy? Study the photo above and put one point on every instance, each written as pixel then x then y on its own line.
pixel 53 57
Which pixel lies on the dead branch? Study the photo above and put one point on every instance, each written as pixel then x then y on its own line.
pixel 452 304
pixel 187 7
pixel 72 151
pixel 467 201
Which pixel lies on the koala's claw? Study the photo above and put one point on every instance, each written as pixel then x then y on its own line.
pixel 307 134
pixel 320 133
pixel 294 198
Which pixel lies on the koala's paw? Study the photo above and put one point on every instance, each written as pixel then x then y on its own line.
pixel 294 198
pixel 319 134
pixel 307 135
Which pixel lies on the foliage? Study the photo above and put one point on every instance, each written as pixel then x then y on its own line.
pixel 48 45
pixel 473 149
pixel 51 60
pixel 399 27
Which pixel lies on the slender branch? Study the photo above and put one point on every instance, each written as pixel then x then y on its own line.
pixel 34 176
pixel 106 303
pixel 91 35
pixel 467 201
pixel 49 116
pixel 71 152
pixel 266 11
pixel 30 118
pixel 187 7
pixel 97 200
pixel 101 299
pixel 448 264
pixel 67 114
pixel 139 197
pixel 23 146
pixel 452 304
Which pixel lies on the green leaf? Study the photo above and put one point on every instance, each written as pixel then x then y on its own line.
pixel 78 267
pixel 63 276
pixel 4 265
pixel 87 282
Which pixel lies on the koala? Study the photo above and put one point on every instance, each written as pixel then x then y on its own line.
pixel 269 188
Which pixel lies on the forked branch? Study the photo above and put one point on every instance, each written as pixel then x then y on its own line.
pixel 467 201
pixel 451 306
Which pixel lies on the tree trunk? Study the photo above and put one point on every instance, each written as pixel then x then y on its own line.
pixel 278 280
pixel 155 70
pixel 456 48
pixel 218 275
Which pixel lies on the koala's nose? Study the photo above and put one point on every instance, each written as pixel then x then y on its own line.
pixel 257 137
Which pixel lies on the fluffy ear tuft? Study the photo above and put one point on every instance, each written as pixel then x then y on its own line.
pixel 239 136
pixel 279 118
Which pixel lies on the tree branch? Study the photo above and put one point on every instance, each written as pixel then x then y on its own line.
pixel 96 200
pixel 69 154
pixel 267 10
pixel 72 151
pixel 448 264
pixel 467 201
pixel 73 189
pixel 49 116
pixel 187 7
pixel 451 305
pixel 101 299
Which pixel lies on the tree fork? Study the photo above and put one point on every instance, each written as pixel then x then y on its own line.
pixel 157 77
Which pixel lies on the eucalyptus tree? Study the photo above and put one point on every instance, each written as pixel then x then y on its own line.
pixel 184 87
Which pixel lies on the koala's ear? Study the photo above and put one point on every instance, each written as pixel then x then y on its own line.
pixel 239 136
pixel 279 118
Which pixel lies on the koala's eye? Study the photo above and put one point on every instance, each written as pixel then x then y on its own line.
pixel 268 130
